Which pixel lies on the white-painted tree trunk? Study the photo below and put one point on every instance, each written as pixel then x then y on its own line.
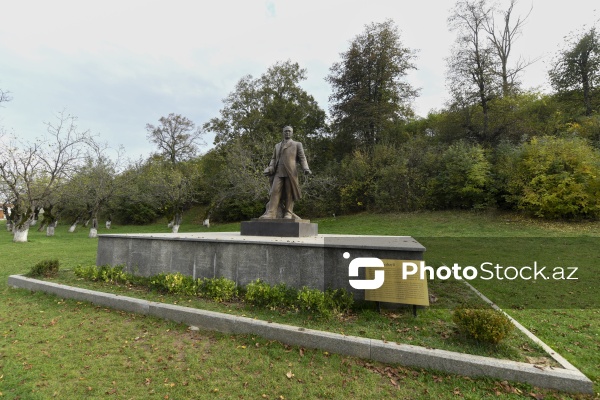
pixel 94 228
pixel 206 223
pixel 8 227
pixel 72 227
pixel 50 230
pixel 176 223
pixel 33 222
pixel 20 234
pixel 108 224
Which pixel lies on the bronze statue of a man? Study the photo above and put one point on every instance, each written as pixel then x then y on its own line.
pixel 283 174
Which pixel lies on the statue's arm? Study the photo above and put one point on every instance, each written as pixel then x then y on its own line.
pixel 270 170
pixel 301 157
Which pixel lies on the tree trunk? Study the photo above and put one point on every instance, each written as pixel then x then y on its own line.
pixel 94 228
pixel 176 223
pixel 20 234
pixel 50 228
pixel 72 227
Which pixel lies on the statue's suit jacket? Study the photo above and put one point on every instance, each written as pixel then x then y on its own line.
pixel 288 156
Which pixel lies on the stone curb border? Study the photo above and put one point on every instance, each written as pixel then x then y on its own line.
pixel 566 380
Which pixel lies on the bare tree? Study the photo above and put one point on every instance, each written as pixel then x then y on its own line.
pixel 177 137
pixel 32 171
pixel 480 67
pixel 470 69
pixel 502 40
pixel 4 96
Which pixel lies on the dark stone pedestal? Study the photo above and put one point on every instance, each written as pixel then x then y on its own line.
pixel 279 227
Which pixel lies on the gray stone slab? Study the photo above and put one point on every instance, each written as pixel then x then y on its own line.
pixel 471 365
pixel 568 380
pixel 308 338
pixel 110 300
pixel 207 320
pixel 316 262
pixel 279 228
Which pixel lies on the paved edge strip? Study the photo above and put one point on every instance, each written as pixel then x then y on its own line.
pixel 567 380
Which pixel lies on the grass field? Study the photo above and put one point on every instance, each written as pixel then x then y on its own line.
pixel 52 347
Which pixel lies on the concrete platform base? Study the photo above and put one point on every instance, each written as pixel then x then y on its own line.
pixel 279 227
pixel 316 262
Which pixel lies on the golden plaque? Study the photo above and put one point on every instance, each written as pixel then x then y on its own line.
pixel 411 290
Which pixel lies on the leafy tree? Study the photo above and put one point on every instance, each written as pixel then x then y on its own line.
pixel 173 187
pixel 135 201
pixel 462 177
pixel 369 92
pixel 176 137
pixel 92 188
pixel 258 109
pixel 577 68
pixel 249 125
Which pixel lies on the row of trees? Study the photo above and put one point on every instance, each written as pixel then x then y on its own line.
pixel 495 144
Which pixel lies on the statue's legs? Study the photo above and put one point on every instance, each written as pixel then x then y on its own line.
pixel 288 199
pixel 281 190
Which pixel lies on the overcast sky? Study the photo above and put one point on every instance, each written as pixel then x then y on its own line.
pixel 118 65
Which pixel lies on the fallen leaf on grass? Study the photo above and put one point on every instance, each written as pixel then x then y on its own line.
pixel 538 361
pixel 289 375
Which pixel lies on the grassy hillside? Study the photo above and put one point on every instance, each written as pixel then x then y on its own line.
pixel 58 348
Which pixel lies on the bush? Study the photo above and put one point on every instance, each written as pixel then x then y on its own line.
pixel 218 289
pixel 45 268
pixel 340 300
pixel 484 325
pixel 262 294
pixel 104 273
pixel 313 300
pixel 462 178
pixel 556 178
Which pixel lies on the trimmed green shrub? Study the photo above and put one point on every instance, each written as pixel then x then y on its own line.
pixel 313 300
pixel 104 273
pixel 485 325
pixel 262 294
pixel 218 289
pixel 175 284
pixel 45 268
pixel 339 300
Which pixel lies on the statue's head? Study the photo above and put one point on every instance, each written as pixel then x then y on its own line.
pixel 288 131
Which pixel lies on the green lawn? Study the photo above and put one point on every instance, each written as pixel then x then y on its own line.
pixel 53 347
